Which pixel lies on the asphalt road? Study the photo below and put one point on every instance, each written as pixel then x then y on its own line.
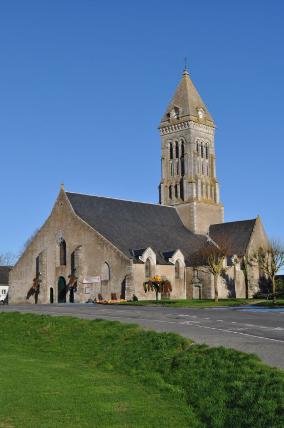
pixel 259 331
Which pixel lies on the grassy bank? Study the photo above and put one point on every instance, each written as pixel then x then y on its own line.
pixel 205 303
pixel 66 372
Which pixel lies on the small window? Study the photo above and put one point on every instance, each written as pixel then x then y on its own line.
pixel 62 248
pixel 177 270
pixel 202 151
pixel 207 151
pixel 148 268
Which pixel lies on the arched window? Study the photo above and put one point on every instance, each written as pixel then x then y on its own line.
pixel 171 151
pixel 202 151
pixel 62 248
pixel 172 168
pixel 177 270
pixel 105 272
pixel 182 166
pixel 177 166
pixel 176 190
pixel 37 266
pixel 73 263
pixel 170 192
pixel 177 150
pixel 197 148
pixel 181 189
pixel 206 151
pixel 182 149
pixel 148 268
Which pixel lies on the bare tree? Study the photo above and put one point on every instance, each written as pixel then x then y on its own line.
pixel 270 260
pixel 213 256
pixel 246 262
pixel 7 259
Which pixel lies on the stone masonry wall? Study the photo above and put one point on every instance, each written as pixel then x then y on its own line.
pixel 94 252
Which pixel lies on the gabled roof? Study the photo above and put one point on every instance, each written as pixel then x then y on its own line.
pixel 188 102
pixel 133 226
pixel 237 234
pixel 4 274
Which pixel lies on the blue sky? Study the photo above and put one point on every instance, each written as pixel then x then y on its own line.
pixel 83 85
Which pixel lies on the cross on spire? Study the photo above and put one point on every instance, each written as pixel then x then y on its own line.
pixel 185 70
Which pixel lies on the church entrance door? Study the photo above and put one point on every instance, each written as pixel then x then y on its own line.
pixel 61 290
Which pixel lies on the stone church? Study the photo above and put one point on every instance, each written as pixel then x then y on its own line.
pixel 98 247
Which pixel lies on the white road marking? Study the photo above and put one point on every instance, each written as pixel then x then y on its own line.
pixel 189 322
pixel 186 316
pixel 244 334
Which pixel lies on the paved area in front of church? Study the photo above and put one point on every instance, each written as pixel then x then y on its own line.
pixel 260 331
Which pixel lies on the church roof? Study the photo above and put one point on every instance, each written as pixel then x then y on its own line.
pixel 187 105
pixel 237 234
pixel 134 226
pixel 4 274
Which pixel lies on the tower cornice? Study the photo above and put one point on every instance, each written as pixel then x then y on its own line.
pixel 189 124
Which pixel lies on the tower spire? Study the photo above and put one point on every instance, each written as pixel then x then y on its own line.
pixel 187 104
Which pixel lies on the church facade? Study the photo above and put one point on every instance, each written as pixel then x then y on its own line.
pixel 94 247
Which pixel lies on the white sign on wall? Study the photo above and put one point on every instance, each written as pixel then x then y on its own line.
pixel 92 280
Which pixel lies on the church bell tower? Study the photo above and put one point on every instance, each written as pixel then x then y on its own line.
pixel 189 179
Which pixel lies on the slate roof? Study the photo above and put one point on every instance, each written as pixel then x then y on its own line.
pixel 134 226
pixel 4 274
pixel 188 100
pixel 236 233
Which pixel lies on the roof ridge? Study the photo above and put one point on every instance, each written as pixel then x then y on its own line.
pixel 119 199
pixel 234 221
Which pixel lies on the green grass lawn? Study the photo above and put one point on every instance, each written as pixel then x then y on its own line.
pixel 205 303
pixel 67 372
